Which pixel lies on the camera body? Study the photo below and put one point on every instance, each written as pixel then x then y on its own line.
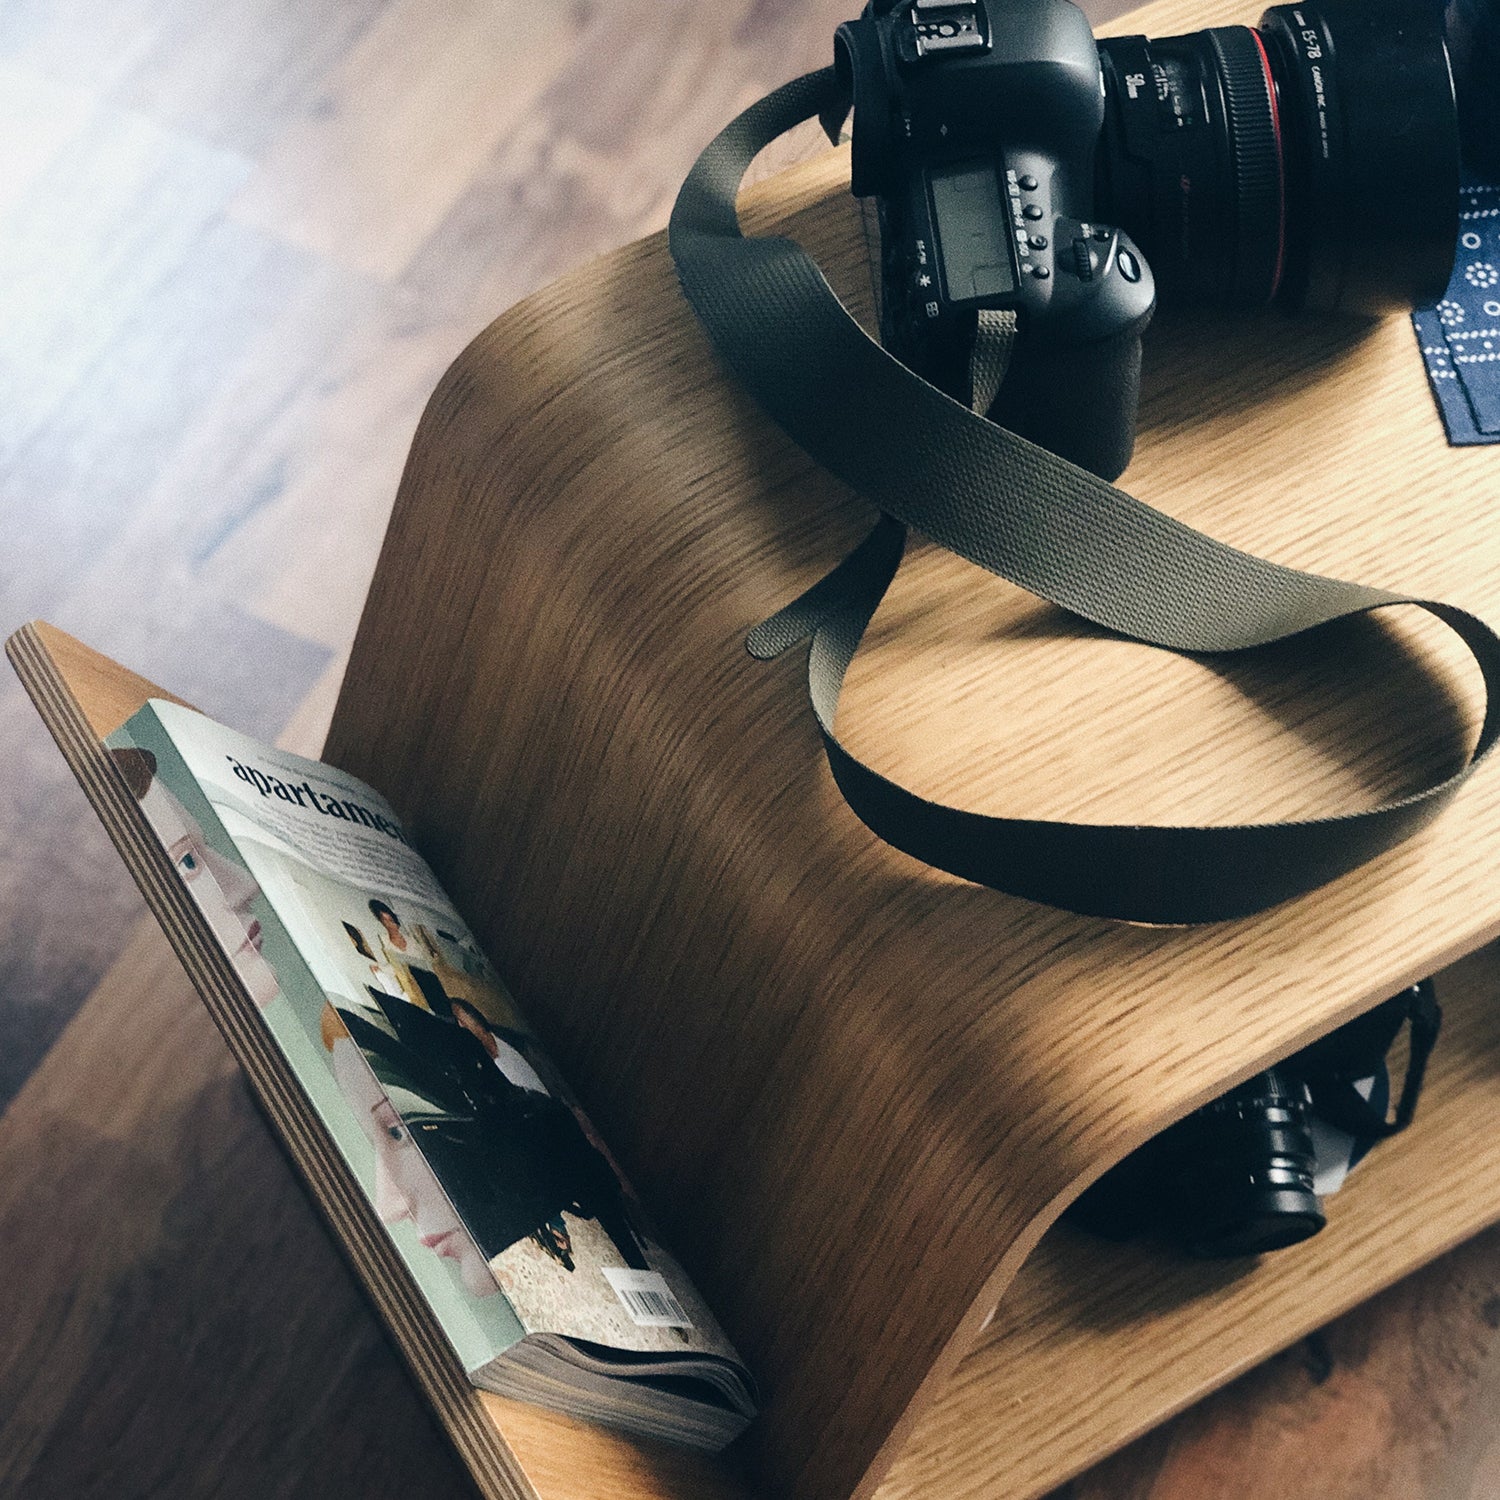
pixel 1311 162
pixel 975 130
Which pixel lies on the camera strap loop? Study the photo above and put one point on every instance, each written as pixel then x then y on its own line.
pixel 990 358
pixel 1053 529
pixel 1335 1066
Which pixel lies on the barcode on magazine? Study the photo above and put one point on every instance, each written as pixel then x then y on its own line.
pixel 648 1299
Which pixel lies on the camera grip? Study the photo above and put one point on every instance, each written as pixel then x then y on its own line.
pixel 1076 400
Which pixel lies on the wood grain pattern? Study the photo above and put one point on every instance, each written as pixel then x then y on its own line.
pixel 1371 1408
pixel 183 1327
pixel 299 1127
pixel 456 68
pixel 1153 1333
pixel 216 406
pixel 857 1090
pixel 1091 1343
pixel 253 399
pixel 106 693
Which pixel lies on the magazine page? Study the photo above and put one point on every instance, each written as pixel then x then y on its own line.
pixel 478 1324
pixel 480 1152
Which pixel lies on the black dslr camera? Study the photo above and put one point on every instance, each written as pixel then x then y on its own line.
pixel 975 128
pixel 1312 161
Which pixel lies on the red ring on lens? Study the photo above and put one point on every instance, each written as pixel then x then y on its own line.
pixel 1265 62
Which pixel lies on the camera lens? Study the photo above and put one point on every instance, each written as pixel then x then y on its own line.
pixel 1244 1170
pixel 1190 161
pixel 1233 1178
pixel 1311 161
pixel 1474 42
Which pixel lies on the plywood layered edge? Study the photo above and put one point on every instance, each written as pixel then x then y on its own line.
pixel 82 697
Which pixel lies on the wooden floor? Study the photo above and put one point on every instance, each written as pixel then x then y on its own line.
pixel 239 242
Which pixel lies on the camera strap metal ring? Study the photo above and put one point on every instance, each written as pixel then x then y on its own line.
pixel 1054 529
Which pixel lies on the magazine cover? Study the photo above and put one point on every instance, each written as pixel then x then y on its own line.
pixel 500 1197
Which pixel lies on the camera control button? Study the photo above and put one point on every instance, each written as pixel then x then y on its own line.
pixel 1032 211
pixel 1101 233
pixel 1130 267
pixel 1040 272
pixel 1038 242
pixel 1029 183
pixel 1083 260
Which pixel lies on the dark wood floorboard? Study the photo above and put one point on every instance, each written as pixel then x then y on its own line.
pixel 239 242
pixel 181 1326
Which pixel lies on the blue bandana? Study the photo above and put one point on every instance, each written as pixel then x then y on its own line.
pixel 1460 336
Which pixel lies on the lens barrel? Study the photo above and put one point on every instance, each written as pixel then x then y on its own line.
pixel 1190 161
pixel 1244 1171
pixel 1231 1179
pixel 1473 28
pixel 1312 161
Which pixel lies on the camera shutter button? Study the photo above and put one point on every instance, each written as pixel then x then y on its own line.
pixel 1130 267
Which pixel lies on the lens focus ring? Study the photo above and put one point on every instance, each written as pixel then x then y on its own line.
pixel 1255 149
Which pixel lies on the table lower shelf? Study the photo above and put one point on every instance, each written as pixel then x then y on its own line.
pixel 1091 1345
pixel 1096 1343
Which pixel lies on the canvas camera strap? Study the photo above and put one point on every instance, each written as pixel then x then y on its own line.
pixel 930 464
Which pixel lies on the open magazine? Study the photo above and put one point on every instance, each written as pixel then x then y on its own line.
pixel 504 1204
